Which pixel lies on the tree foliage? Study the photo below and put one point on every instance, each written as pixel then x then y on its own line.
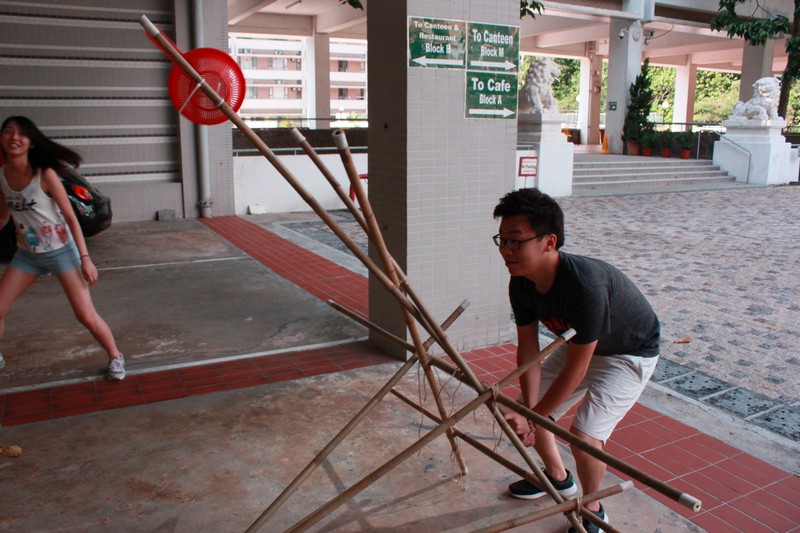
pixel 757 31
pixel 565 88
pixel 636 122
pixel 530 8
pixel 662 84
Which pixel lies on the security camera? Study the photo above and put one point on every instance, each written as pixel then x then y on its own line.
pixel 621 34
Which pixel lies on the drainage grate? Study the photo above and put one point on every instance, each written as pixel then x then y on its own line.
pixel 698 386
pixel 667 370
pixel 785 421
pixel 742 402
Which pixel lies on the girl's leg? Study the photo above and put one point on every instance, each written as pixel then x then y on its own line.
pixel 81 301
pixel 13 284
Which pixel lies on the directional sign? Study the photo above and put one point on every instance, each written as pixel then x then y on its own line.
pixel 492 47
pixel 436 43
pixel 491 94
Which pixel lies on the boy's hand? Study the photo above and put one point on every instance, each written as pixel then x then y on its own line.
pixel 522 427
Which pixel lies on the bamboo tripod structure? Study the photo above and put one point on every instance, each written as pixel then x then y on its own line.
pixel 395 281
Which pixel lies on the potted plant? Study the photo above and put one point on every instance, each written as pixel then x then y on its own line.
pixel 649 142
pixel 636 119
pixel 665 141
pixel 685 141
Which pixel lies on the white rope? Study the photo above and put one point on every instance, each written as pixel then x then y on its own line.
pixel 189 98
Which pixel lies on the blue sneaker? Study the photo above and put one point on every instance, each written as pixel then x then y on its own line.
pixel 525 490
pixel 2 361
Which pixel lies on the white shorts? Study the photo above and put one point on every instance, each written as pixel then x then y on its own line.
pixel 610 388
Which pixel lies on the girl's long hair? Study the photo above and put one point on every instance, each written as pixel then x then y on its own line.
pixel 44 153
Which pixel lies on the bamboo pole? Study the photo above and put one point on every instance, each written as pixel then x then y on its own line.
pixel 402 343
pixel 569 505
pixel 414 306
pixel 484 396
pixel 264 150
pixel 512 467
pixel 687 500
pixel 392 270
pixel 344 432
pixel 357 187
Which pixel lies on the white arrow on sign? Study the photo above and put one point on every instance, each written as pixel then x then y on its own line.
pixel 507 65
pixel 505 112
pixel 428 61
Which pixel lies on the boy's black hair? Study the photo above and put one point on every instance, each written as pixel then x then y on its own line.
pixel 542 212
pixel 44 153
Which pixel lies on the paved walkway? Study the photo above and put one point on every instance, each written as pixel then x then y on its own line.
pixel 668 243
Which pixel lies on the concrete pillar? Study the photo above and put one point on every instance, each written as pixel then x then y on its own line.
pixel 756 64
pixel 685 89
pixel 319 103
pixel 589 100
pixel 435 177
pixel 626 42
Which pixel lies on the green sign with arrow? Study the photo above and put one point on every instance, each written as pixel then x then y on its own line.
pixel 491 94
pixel 436 43
pixel 492 47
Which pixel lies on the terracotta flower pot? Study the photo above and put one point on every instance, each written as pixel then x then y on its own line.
pixel 647 150
pixel 666 152
pixel 686 153
pixel 634 148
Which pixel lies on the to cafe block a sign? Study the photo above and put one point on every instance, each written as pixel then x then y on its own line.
pixel 489 53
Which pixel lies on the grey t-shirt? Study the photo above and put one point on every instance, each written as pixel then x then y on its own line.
pixel 595 299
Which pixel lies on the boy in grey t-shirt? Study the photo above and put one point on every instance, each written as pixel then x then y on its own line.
pixel 605 366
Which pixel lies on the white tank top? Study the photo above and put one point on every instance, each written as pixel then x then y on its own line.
pixel 38 220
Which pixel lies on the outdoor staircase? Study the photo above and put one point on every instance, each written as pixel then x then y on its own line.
pixel 596 176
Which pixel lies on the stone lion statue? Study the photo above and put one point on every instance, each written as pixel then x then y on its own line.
pixel 764 103
pixel 537 93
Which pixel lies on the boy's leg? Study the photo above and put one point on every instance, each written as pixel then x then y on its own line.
pixel 590 470
pixel 614 385
pixel 545 444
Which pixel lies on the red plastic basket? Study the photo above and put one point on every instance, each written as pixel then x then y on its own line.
pixel 222 74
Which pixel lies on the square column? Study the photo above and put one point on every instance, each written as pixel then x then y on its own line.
pixel 685 90
pixel 756 64
pixel 624 63
pixel 435 177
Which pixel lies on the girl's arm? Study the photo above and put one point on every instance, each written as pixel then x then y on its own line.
pixel 52 185
pixel 5 213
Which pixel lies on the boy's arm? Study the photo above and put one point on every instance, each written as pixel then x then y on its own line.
pixel 528 347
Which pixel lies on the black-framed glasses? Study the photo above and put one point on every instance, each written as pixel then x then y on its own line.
pixel 512 244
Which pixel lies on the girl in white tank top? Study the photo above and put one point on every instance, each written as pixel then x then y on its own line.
pixel 49 236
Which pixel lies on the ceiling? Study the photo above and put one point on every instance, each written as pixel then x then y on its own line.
pixel 677 36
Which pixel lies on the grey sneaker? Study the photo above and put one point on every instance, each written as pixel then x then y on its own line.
pixel 2 361
pixel 116 368
pixel 525 490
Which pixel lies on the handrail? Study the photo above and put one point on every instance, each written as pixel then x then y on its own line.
pixel 749 155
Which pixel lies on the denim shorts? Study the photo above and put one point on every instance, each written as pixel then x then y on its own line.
pixel 56 262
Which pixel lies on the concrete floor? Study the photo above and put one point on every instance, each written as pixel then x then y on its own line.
pixel 215 462
pixel 172 293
